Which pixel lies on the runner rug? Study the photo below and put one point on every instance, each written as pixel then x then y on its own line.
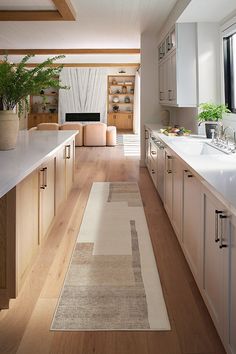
pixel 112 282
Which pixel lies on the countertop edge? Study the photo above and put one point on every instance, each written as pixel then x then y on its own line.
pixel 15 180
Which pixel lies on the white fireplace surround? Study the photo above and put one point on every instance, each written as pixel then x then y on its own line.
pixel 87 92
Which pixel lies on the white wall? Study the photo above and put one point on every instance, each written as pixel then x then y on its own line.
pixel 186 117
pixel 209 49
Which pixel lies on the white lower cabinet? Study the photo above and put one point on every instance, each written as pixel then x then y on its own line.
pixel 177 197
pixel 192 233
pixel 168 183
pixel 231 335
pixel 206 231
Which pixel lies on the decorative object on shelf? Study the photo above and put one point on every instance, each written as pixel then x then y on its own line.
pixel 127 99
pixel 114 82
pixel 211 114
pixel 131 90
pixel 128 83
pixel 124 89
pixel 118 91
pixel 16 84
pixel 120 83
pixel 115 108
pixel 35 107
pixel 115 99
pixel 52 110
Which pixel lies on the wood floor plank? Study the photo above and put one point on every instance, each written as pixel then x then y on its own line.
pixel 25 327
pixel 37 334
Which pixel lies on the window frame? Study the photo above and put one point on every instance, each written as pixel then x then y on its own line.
pixel 229 77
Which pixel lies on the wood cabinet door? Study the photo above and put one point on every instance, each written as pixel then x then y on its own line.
pixel 47 197
pixel 112 119
pixel 70 160
pixel 124 121
pixel 33 120
pixel 216 231
pixel 129 121
pixel 60 179
pixel 168 183
pixel 26 226
pixel 192 231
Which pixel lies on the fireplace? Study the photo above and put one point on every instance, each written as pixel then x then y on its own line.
pixel 82 117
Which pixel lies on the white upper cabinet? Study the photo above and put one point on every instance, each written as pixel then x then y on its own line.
pixel 178 67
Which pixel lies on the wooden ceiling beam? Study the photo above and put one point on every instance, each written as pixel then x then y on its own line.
pixel 64 12
pixel 30 16
pixel 66 9
pixel 69 51
pixel 97 65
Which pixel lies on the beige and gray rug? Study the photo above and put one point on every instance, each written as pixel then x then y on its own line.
pixel 112 282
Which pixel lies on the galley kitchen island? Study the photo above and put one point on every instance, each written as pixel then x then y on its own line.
pixel 35 180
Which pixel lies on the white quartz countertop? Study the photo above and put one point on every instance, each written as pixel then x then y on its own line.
pixel 33 148
pixel 216 171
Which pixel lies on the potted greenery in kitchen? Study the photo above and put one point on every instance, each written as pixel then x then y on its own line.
pixel 211 113
pixel 17 82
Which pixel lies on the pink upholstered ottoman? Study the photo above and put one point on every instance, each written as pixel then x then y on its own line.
pixel 111 135
pixel 48 126
pixel 75 126
pixel 95 134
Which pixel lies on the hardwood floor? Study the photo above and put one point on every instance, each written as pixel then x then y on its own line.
pixel 24 328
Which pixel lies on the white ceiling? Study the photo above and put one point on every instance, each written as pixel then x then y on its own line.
pixel 207 10
pixel 100 24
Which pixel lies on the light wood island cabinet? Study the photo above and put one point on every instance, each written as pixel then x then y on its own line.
pixel 65 160
pixel 27 226
pixel 46 197
pixel 27 210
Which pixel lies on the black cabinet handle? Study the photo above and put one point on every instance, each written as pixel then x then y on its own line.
pixel 217 212
pixel 222 245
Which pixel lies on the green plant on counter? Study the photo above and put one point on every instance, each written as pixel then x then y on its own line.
pixel 18 81
pixel 211 112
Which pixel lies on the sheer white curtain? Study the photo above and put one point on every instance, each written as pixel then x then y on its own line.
pixel 136 119
pixel 87 93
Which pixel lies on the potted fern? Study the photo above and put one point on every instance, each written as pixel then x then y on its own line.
pixel 211 114
pixel 17 82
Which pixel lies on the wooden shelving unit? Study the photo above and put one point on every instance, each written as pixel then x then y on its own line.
pixel 43 108
pixel 119 89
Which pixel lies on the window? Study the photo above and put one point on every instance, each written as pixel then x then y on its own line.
pixel 230 71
